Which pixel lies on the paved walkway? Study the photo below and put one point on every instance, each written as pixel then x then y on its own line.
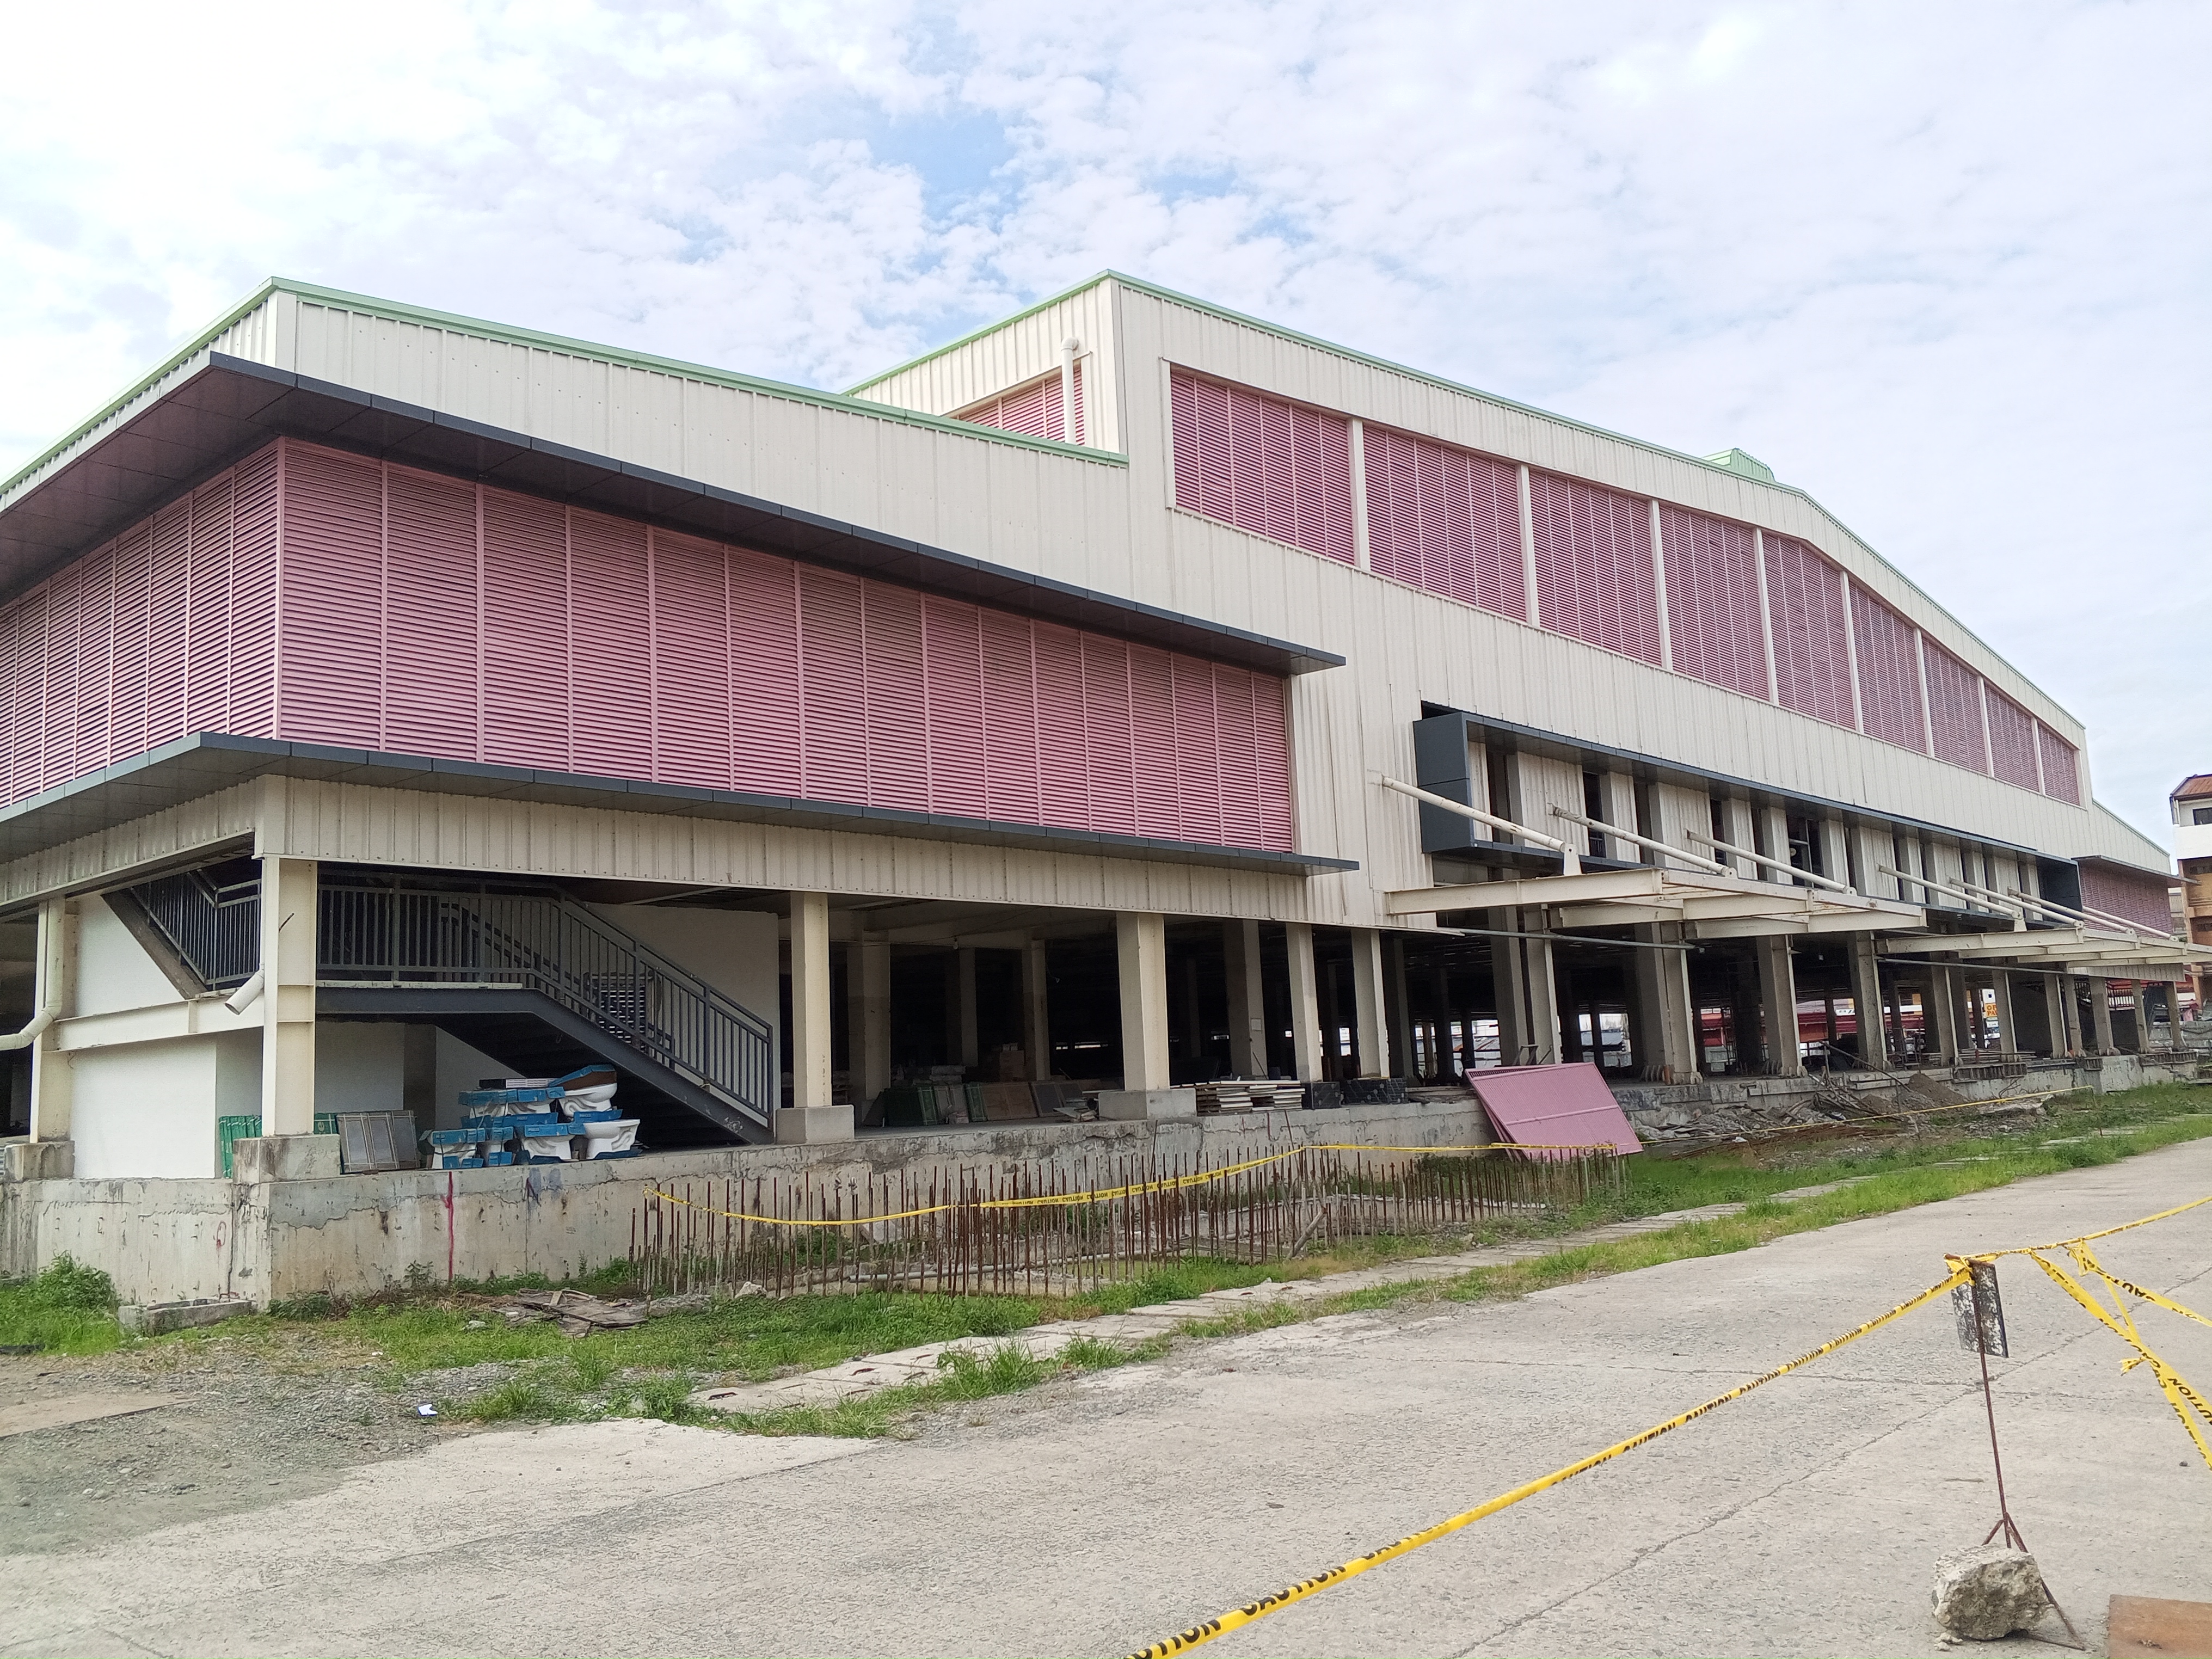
pixel 832 1383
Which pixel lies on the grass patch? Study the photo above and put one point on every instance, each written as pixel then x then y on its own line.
pixel 68 1308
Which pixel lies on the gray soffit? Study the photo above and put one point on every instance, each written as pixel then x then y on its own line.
pixel 1603 757
pixel 226 407
pixel 198 765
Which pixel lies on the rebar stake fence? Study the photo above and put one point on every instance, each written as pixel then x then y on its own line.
pixel 1055 1230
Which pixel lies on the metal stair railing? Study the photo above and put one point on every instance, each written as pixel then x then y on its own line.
pixel 402 938
pixel 215 930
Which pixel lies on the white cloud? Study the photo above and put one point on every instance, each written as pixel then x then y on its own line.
pixel 1942 266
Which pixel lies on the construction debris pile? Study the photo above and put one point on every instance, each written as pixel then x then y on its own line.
pixel 1677 1115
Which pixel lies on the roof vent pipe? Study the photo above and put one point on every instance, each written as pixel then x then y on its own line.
pixel 1068 348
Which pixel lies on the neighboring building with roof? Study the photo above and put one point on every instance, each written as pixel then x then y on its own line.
pixel 2192 804
pixel 1131 692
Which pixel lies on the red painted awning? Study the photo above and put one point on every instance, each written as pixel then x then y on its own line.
pixel 1554 1106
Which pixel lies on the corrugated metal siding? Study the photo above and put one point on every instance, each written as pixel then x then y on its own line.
pixel 1595 580
pixel 1712 601
pixel 2062 779
pixel 2011 740
pixel 613 649
pixel 1889 673
pixel 2139 898
pixel 1812 658
pixel 1445 520
pixel 1035 410
pixel 1954 700
pixel 1270 467
pixel 104 659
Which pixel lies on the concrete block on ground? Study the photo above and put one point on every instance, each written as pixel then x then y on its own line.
pixel 39 1160
pixel 152 1319
pixel 261 1158
pixel 811 1126
pixel 1126 1104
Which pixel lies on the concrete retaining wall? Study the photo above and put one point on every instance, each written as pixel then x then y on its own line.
pixel 353 1234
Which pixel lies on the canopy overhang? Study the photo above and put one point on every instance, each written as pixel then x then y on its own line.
pixel 1710 906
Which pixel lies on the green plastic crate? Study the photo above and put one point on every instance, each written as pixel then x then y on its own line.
pixel 326 1123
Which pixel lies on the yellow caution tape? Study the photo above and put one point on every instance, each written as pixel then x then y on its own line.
pixel 2178 1394
pixel 1236 1618
pixel 1106 1194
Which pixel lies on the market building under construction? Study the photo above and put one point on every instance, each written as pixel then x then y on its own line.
pixel 1132 711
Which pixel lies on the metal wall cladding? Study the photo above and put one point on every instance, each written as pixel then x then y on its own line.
pixel 1273 468
pixel 1889 673
pixel 1812 652
pixel 1445 520
pixel 1712 601
pixel 2012 741
pixel 168 628
pixel 1035 410
pixel 2138 898
pixel 424 615
pixel 2062 779
pixel 1594 578
pixel 1955 704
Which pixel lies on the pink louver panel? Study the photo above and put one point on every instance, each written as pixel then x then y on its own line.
pixel 1595 580
pixel 569 640
pixel 2061 779
pixel 766 707
pixel 952 642
pixel 837 714
pixel 1152 724
pixel 1954 699
pixel 1034 410
pixel 1445 520
pixel 100 661
pixel 525 628
pixel 896 718
pixel 1889 672
pixel 431 694
pixel 1712 601
pixel 691 662
pixel 1270 467
pixel 1812 656
pixel 2011 740
pixel 2139 898
pixel 333 611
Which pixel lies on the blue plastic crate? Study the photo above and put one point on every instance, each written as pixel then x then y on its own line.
pixel 609 1116
pixel 457 1137
pixel 511 1096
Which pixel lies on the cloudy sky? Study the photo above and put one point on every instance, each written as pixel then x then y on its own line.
pixel 1944 266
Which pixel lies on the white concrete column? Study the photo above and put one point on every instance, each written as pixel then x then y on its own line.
pixel 963 992
pixel 1867 1011
pixel 290 890
pixel 1665 1030
pixel 54 985
pixel 1774 830
pixel 1543 988
pixel 2100 1015
pixel 2007 1030
pixel 1247 1005
pixel 811 1116
pixel 1141 943
pixel 1736 815
pixel 874 1032
pixel 1401 1015
pixel 2139 1006
pixel 1367 1000
pixel 1940 1012
pixel 1305 1001
pixel 1509 979
pixel 1036 1008
pixel 1778 1002
pixel 2065 1018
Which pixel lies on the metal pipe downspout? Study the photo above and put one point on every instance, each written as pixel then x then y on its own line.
pixel 37 1028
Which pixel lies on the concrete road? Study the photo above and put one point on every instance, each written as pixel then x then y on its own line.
pixel 1091 1518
